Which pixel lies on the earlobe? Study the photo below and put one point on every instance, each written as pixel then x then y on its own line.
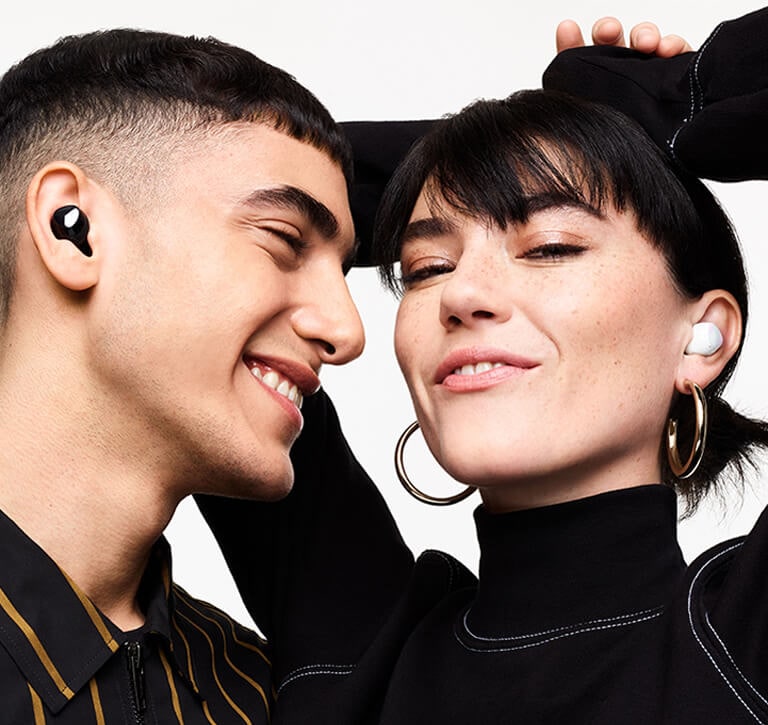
pixel 59 226
pixel 715 337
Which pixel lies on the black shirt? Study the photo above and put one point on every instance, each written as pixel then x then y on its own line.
pixel 585 612
pixel 62 661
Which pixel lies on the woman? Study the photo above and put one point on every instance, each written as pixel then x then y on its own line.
pixel 554 278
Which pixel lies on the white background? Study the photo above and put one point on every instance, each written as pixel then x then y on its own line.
pixel 414 59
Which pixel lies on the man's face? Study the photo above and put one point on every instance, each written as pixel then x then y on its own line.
pixel 218 306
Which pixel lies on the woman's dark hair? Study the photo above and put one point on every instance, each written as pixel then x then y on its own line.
pixel 492 158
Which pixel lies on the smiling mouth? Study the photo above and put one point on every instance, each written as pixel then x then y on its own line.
pixel 476 369
pixel 276 381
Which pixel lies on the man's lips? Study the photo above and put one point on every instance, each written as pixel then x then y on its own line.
pixel 290 379
pixel 488 362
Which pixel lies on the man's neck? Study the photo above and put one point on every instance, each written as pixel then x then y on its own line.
pixel 76 497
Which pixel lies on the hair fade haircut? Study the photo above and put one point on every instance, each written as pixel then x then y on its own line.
pixel 491 159
pixel 108 100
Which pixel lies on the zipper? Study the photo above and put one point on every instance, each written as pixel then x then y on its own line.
pixel 136 680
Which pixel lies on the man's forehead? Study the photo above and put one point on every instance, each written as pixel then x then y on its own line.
pixel 249 158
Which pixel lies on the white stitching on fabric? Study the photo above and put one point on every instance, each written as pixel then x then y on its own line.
pixel 672 141
pixel 449 562
pixel 735 666
pixel 491 650
pixel 655 611
pixel 698 639
pixel 698 60
pixel 692 96
pixel 311 670
pixel 693 77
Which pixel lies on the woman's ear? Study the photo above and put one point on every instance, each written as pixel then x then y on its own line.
pixel 58 206
pixel 716 332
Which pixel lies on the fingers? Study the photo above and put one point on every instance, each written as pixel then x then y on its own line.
pixel 608 31
pixel 671 45
pixel 568 35
pixel 644 37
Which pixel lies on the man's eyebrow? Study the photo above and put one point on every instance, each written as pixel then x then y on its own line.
pixel 290 197
pixel 428 229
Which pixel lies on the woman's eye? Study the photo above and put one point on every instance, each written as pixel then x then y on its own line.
pixel 553 251
pixel 425 272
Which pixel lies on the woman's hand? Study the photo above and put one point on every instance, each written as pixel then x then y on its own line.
pixel 644 37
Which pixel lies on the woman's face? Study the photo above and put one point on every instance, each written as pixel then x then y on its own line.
pixel 541 359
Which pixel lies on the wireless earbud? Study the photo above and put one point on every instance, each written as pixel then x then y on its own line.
pixel 69 223
pixel 706 339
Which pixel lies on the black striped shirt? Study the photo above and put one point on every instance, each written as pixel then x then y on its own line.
pixel 63 662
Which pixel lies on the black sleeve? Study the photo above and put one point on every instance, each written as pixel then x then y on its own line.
pixel 378 148
pixel 708 109
pixel 727 601
pixel 321 570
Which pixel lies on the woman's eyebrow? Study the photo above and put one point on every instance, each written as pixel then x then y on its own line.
pixel 428 228
pixel 545 201
pixel 293 198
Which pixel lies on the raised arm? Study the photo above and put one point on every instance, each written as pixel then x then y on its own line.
pixel 709 108
pixel 320 570
pixel 380 145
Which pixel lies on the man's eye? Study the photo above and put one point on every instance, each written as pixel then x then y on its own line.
pixel 553 251
pixel 426 272
pixel 296 243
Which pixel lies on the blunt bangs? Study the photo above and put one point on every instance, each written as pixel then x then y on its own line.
pixel 496 160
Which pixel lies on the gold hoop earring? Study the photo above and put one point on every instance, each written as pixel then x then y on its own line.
pixel 408 486
pixel 687 469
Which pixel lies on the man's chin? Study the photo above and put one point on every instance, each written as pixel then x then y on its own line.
pixel 266 486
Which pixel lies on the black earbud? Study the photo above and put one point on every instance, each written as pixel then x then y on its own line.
pixel 69 223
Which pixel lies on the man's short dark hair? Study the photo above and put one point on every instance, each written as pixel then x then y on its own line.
pixel 108 101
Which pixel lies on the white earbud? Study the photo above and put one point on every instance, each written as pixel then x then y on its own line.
pixel 706 339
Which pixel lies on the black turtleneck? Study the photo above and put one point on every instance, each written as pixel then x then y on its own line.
pixel 584 611
pixel 578 561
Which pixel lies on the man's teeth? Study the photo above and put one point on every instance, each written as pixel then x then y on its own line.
pixel 481 367
pixel 283 386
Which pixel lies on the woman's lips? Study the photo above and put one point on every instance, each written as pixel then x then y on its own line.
pixel 487 378
pixel 474 367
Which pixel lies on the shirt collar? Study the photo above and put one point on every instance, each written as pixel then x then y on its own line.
pixel 56 636
pixel 597 557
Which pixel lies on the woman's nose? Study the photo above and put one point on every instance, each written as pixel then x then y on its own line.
pixel 477 291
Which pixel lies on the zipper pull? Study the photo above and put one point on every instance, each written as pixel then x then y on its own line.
pixel 136 676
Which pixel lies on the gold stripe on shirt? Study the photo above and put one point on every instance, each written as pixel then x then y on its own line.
pixel 166 579
pixel 37 706
pixel 93 613
pixel 97 711
pixel 215 673
pixel 231 622
pixel 189 653
pixel 189 669
pixel 172 687
pixel 208 713
pixel 36 644
pixel 242 674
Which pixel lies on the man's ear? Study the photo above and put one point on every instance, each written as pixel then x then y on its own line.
pixel 58 208
pixel 721 309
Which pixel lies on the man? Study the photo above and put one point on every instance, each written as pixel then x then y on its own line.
pixel 175 235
